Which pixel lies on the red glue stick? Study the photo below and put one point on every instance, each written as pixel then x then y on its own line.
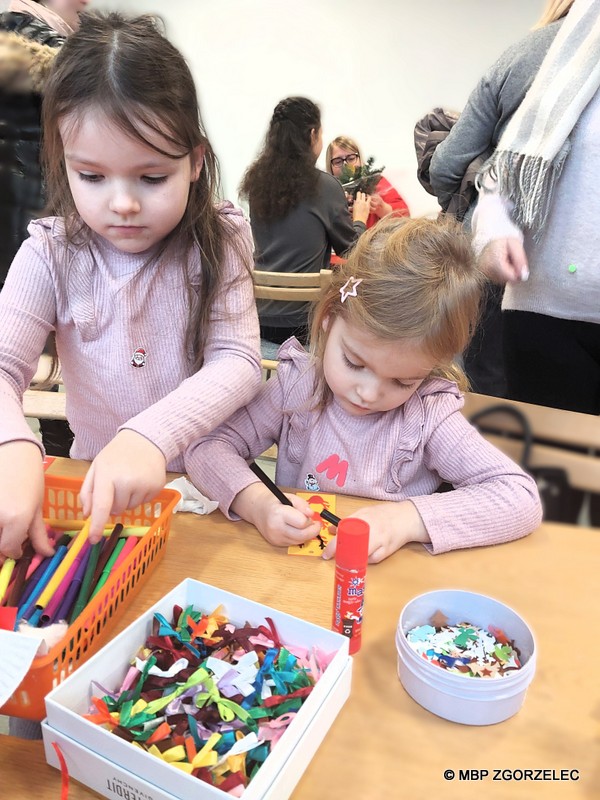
pixel 351 556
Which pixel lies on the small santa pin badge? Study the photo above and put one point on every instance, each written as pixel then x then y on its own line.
pixel 138 358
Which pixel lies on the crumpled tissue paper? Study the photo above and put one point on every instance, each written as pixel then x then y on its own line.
pixel 191 499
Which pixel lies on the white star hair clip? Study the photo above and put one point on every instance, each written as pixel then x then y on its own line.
pixel 349 288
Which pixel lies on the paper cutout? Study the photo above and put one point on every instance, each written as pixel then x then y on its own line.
pixel 315 547
pixel 17 654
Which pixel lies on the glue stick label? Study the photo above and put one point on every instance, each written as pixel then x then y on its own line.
pixel 348 605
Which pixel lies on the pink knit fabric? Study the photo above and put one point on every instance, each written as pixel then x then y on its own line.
pixel 104 307
pixel 401 454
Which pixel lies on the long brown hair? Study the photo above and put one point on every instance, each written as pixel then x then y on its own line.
pixel 128 69
pixel 419 282
pixel 284 173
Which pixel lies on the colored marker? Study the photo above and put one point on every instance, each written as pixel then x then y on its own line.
pixel 107 550
pixel 6 572
pixel 26 610
pixel 86 584
pixel 19 575
pixel 69 597
pixel 57 598
pixel 137 531
pixel 63 567
pixel 108 567
pixel 326 515
pixel 130 544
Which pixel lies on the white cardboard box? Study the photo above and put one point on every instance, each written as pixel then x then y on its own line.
pixel 114 768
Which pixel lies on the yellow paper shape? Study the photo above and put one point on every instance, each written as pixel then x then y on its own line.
pixel 317 501
pixel 176 753
pixel 207 757
pixel 184 766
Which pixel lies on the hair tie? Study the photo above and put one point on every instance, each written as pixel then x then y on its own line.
pixel 349 288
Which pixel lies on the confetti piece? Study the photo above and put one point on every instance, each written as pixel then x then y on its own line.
pixel 465 649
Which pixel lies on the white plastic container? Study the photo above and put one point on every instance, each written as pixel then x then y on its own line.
pixel 116 769
pixel 463 698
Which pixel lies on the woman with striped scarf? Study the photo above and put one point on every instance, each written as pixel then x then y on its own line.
pixel 536 224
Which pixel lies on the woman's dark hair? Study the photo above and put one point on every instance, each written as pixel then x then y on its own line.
pixel 284 173
pixel 128 70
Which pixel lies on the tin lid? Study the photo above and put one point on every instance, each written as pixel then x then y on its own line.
pixel 352 548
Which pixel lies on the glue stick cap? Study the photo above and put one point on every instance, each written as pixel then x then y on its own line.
pixel 352 548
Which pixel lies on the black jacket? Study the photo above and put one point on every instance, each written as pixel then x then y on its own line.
pixel 27 49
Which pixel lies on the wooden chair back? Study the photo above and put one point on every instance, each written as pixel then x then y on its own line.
pixel 41 404
pixel 565 439
pixel 296 286
pixel 44 405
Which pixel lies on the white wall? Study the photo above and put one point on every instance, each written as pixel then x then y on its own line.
pixel 373 67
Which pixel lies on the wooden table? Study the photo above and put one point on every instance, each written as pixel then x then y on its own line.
pixel 384 745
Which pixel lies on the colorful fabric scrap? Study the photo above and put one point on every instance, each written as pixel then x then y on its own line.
pixel 210 698
pixel 465 649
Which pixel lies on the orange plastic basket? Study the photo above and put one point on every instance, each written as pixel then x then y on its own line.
pixel 89 631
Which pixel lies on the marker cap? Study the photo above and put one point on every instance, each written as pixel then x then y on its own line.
pixel 352 548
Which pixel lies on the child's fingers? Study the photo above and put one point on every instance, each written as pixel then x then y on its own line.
pixel 296 535
pixel 301 505
pixel 102 501
pixel 12 537
pixel 329 551
pixel 379 554
pixel 38 535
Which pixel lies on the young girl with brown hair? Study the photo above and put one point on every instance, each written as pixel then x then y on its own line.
pixel 375 409
pixel 142 274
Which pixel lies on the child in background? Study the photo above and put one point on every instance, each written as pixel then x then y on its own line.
pixel 344 151
pixel 375 409
pixel 142 274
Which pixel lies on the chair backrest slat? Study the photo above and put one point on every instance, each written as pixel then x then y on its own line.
pixel 295 286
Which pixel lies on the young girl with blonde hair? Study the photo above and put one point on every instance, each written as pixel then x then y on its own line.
pixel 143 275
pixel 375 409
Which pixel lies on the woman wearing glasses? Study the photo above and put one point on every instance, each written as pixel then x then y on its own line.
pixel 298 213
pixel 343 151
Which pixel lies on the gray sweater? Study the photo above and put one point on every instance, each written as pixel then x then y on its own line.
pixel 571 234
pixel 488 110
pixel 302 242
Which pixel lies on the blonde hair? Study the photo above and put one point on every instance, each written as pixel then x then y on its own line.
pixel 555 9
pixel 346 143
pixel 419 283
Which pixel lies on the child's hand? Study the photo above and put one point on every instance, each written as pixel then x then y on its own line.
pixel 360 208
pixel 280 525
pixel 130 470
pixel 391 525
pixel 379 206
pixel 21 497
